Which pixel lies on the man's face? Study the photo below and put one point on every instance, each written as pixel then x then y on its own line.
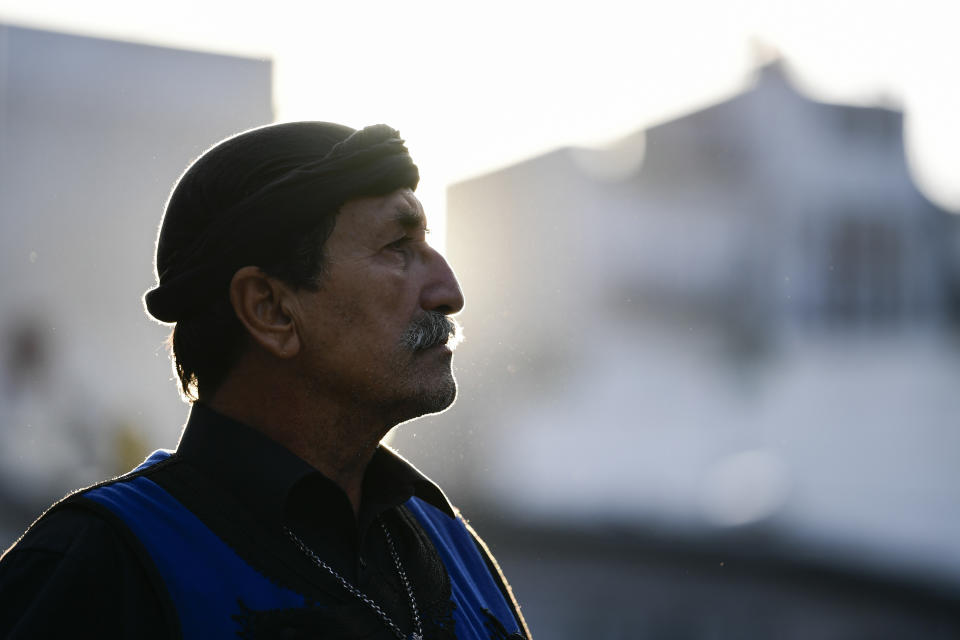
pixel 380 281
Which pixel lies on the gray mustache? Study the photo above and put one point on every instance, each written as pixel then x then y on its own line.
pixel 429 330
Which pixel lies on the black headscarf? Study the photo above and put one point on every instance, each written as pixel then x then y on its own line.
pixel 243 201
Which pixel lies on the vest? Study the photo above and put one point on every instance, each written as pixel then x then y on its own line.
pixel 210 585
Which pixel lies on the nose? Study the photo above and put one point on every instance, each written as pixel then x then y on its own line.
pixel 442 291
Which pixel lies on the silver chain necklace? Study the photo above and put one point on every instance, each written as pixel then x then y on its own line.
pixel 414 613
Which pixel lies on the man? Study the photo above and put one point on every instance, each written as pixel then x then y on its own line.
pixel 311 316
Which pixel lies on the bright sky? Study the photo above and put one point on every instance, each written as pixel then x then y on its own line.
pixel 478 86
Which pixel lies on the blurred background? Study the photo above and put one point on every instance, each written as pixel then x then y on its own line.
pixel 711 257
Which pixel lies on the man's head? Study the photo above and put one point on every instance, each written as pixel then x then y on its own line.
pixel 269 246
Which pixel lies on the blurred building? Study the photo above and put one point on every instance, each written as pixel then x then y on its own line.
pixel 93 133
pixel 724 346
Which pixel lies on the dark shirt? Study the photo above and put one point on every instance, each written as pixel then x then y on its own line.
pixel 78 572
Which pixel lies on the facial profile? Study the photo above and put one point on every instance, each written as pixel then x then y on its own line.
pixel 378 329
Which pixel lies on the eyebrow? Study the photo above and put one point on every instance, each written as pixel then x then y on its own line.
pixel 410 218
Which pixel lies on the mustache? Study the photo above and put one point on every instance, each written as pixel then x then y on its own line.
pixel 431 329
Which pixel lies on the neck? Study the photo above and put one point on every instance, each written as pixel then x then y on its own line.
pixel 337 441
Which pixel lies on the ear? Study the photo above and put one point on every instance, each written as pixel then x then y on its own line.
pixel 262 305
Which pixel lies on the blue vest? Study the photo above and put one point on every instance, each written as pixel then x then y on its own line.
pixel 207 580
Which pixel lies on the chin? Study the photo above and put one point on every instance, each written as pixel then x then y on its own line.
pixel 441 398
pixel 435 399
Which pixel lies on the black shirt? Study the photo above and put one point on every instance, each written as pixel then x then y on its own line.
pixel 78 572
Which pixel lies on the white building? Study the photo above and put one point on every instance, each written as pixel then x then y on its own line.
pixel 93 134
pixel 739 321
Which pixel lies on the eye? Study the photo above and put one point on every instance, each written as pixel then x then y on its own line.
pixel 405 244
pixel 400 245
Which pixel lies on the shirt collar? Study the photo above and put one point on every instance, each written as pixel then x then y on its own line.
pixel 265 476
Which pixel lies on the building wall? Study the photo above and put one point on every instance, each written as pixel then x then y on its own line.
pixel 747 333
pixel 93 134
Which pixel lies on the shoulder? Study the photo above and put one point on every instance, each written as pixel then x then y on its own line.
pixel 80 527
pixel 69 526
pixel 77 567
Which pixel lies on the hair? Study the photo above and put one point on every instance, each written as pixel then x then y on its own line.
pixel 267 198
pixel 207 343
pixel 206 346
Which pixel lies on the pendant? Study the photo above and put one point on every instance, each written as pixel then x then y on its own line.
pixel 416 636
